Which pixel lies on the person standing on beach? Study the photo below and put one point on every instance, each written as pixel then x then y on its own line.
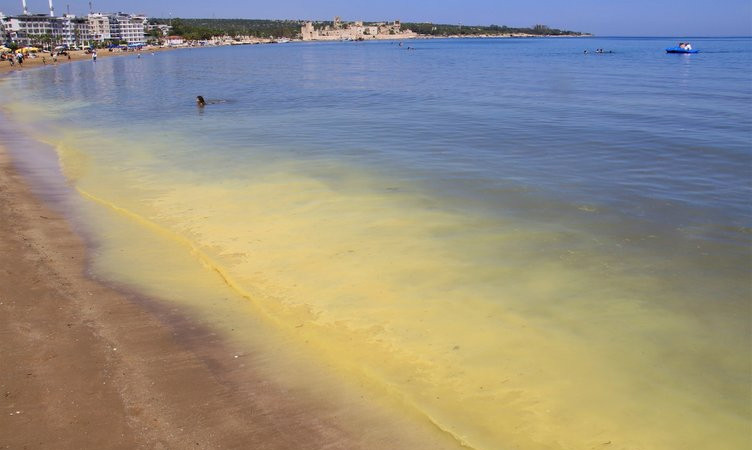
pixel 94 56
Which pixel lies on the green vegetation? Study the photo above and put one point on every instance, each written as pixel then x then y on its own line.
pixel 432 29
pixel 200 29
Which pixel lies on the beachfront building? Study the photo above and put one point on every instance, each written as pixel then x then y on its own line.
pixel 41 29
pixel 81 35
pixel 164 29
pixel 128 27
pixel 29 28
pixel 99 27
pixel 48 30
pixel 355 31
pixel 66 31
pixel 2 29
pixel 175 41
pixel 118 27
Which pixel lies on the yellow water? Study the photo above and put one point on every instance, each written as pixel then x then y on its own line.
pixel 503 332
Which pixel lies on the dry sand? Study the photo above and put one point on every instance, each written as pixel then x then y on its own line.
pixel 43 59
pixel 84 365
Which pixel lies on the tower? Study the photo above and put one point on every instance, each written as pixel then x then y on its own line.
pixel 52 10
pixel 25 11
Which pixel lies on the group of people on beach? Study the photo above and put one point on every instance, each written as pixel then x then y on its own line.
pixel 55 56
pixel 20 57
pixel 14 58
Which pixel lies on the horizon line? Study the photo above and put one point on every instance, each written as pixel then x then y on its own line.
pixel 459 23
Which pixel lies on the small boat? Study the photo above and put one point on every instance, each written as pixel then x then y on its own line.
pixel 680 50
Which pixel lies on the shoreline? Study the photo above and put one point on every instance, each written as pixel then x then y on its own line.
pixel 88 364
pixel 76 55
pixel 83 362
pixel 79 55
pixel 429 37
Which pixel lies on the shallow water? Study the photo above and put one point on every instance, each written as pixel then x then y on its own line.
pixel 529 246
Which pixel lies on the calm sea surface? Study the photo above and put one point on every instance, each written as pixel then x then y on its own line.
pixel 527 245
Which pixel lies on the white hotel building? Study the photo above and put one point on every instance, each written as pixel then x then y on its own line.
pixel 118 26
pixel 29 29
pixel 128 27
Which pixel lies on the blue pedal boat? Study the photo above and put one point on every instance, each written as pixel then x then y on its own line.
pixel 680 50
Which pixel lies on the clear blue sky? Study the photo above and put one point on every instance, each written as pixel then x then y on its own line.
pixel 603 17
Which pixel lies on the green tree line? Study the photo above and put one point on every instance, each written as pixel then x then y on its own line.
pixel 432 29
pixel 199 29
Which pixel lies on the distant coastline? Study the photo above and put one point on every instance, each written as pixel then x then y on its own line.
pixel 506 36
pixel 44 59
pixel 257 31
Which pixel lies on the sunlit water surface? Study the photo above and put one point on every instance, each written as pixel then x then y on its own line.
pixel 526 245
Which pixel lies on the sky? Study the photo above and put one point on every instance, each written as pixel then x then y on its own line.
pixel 601 17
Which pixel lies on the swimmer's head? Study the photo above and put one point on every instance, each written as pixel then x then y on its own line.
pixel 200 100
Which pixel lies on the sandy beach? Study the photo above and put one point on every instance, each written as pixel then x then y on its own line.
pixel 88 366
pixel 45 59
pixel 85 367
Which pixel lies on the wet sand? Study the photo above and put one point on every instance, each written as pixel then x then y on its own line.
pixel 85 365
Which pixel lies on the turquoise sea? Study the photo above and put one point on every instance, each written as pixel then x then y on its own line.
pixel 526 245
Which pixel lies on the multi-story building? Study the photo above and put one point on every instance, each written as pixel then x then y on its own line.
pixel 117 27
pixel 127 27
pixel 99 27
pixel 65 30
pixel 31 28
pixel 82 36
pixel 164 29
pixel 36 29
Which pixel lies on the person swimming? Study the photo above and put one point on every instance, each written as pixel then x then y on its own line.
pixel 200 101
